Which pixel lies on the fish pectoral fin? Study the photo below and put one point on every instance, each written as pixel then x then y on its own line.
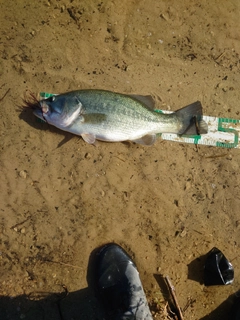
pixel 146 140
pixel 89 138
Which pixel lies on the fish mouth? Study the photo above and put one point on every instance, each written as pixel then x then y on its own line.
pixel 40 109
pixel 36 105
pixel 38 113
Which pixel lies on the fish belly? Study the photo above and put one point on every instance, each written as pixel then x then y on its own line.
pixel 122 128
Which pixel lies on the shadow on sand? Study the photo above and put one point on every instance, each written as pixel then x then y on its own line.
pixel 229 309
pixel 26 114
pixel 82 304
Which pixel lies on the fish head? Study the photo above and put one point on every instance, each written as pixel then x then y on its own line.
pixel 60 111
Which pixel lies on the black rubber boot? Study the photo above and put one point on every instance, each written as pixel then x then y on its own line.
pixel 119 285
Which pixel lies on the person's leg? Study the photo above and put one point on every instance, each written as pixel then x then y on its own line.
pixel 119 285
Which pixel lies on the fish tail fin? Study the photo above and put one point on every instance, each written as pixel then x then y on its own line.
pixel 192 119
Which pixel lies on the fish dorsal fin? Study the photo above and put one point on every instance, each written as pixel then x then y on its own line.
pixel 146 140
pixel 148 101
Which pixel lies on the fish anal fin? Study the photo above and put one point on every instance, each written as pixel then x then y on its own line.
pixel 89 138
pixel 146 140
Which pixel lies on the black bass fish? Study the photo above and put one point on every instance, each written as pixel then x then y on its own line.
pixel 110 116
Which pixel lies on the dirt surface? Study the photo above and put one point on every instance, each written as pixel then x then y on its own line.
pixel 61 198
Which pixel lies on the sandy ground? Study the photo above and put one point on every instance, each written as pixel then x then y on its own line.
pixel 61 198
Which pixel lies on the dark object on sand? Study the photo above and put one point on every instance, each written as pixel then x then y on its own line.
pixel 119 285
pixel 218 270
pixel 235 312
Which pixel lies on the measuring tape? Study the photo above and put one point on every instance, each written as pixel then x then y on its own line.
pixel 222 132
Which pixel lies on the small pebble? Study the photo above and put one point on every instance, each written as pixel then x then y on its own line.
pixel 183 233
pixel 23 174
pixel 188 185
pixel 88 155
pixel 200 196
